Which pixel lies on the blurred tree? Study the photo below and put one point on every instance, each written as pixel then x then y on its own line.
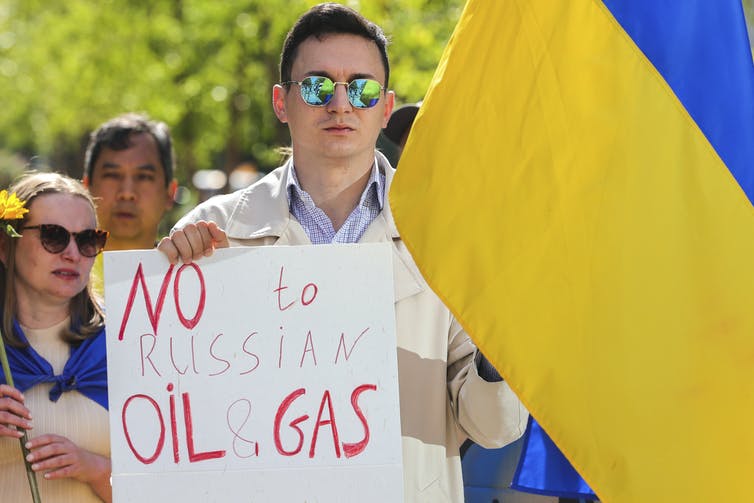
pixel 205 68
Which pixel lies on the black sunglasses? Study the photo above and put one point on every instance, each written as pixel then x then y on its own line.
pixel 55 239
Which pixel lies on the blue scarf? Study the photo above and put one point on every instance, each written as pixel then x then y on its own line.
pixel 85 371
pixel 543 469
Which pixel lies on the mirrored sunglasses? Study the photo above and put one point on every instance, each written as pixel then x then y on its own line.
pixel 318 91
pixel 55 239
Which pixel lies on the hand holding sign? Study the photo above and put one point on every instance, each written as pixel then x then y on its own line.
pixel 193 241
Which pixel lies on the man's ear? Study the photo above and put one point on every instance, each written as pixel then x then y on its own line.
pixel 170 194
pixel 278 102
pixel 85 181
pixel 389 104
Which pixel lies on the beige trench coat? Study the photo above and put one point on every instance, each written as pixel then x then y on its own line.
pixel 442 398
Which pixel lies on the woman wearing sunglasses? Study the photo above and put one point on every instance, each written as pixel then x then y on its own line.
pixel 53 331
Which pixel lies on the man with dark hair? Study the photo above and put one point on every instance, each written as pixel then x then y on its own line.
pixel 128 169
pixel 333 97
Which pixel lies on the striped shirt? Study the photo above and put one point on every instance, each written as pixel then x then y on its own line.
pixel 318 226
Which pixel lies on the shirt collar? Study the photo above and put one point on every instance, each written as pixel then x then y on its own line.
pixel 375 180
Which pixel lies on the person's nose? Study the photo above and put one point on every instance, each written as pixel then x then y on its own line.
pixel 71 252
pixel 339 102
pixel 127 189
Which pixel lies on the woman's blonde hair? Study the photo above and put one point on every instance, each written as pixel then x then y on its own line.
pixel 87 317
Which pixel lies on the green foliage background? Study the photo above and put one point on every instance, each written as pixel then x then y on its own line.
pixel 204 67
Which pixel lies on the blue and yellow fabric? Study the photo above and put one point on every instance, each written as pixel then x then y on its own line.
pixel 578 189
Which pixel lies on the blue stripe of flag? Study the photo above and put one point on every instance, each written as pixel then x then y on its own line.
pixel 701 48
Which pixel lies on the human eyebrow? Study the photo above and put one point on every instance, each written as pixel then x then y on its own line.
pixel 318 73
pixel 323 73
pixel 147 172
pixel 108 170
pixel 362 76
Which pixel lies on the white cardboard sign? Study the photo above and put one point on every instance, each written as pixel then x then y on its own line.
pixel 258 375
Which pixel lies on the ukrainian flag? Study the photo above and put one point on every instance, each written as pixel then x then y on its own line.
pixel 578 188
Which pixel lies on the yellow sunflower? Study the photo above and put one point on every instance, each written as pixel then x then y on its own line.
pixel 11 207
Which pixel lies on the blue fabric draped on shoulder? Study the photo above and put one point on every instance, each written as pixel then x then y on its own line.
pixel 85 371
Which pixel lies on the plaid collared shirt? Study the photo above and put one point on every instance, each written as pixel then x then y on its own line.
pixel 318 226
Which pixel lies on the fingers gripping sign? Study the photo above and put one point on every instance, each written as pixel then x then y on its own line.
pixel 14 416
pixel 193 242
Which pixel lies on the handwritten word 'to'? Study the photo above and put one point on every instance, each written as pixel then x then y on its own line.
pixel 308 293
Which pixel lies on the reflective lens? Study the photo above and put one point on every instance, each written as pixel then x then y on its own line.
pixel 318 91
pixel 55 239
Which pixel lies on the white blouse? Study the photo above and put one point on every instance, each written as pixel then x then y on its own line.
pixel 74 416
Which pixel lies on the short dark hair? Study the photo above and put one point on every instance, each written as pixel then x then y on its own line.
pixel 329 19
pixel 116 135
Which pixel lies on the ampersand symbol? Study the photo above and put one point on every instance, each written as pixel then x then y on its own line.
pixel 242 446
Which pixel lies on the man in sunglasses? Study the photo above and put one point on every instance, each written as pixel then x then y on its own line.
pixel 333 96
pixel 128 169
